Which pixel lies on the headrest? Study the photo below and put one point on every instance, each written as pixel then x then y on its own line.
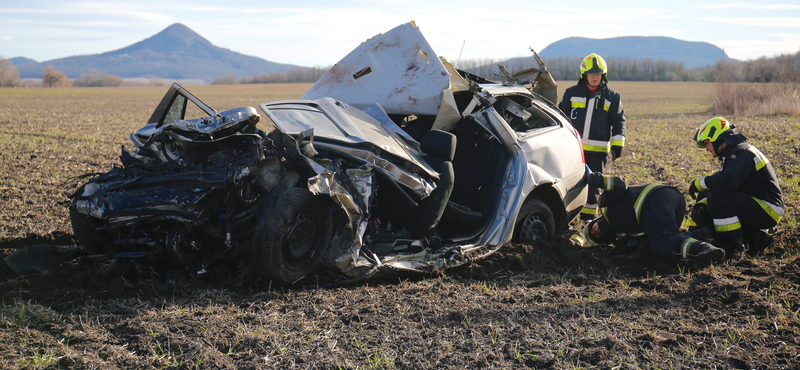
pixel 439 144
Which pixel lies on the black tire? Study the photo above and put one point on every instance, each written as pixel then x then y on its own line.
pixel 535 222
pixel 291 236
pixel 87 233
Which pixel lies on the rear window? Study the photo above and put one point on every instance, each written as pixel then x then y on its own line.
pixel 522 115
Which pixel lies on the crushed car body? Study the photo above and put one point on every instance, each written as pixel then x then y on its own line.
pixel 393 161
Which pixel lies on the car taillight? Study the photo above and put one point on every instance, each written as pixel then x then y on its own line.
pixel 580 144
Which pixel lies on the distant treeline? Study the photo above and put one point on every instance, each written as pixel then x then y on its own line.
pixel 781 69
pixel 97 79
pixel 619 69
pixel 293 75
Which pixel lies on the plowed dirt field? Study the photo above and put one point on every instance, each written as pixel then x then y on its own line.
pixel 547 306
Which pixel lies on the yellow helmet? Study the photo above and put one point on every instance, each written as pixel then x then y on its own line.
pixel 711 131
pixel 593 63
pixel 607 234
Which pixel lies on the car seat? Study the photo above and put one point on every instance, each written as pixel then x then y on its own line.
pixel 439 148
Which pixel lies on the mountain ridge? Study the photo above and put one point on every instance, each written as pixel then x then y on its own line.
pixel 177 52
pixel 693 54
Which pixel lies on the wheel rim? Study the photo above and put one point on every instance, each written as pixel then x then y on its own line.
pixel 301 238
pixel 534 228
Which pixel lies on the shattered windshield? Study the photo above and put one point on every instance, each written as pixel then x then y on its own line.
pixel 175 111
pixel 299 119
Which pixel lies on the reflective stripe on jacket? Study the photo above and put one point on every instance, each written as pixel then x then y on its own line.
pixel 622 206
pixel 598 117
pixel 746 169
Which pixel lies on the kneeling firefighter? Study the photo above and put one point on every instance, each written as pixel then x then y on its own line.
pixel 653 212
pixel 737 203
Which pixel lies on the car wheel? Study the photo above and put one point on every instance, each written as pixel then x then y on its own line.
pixel 534 223
pixel 291 236
pixel 87 233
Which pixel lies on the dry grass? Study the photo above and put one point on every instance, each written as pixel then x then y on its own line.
pixel 756 99
pixel 658 98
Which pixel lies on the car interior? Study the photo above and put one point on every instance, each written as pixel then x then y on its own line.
pixel 479 164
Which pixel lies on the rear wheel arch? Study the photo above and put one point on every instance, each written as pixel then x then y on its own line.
pixel 550 196
pixel 549 214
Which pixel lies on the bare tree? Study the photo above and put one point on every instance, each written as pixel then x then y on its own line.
pixel 97 79
pixel 228 79
pixel 53 78
pixel 781 68
pixel 157 81
pixel 292 75
pixel 9 76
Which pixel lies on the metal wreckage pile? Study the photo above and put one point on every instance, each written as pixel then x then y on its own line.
pixel 393 161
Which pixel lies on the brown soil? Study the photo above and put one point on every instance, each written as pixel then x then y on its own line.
pixel 548 306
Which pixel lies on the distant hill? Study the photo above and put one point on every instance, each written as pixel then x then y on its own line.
pixel 691 53
pixel 18 61
pixel 177 52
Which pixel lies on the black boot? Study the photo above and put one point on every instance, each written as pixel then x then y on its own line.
pixel 734 248
pixel 757 241
pixel 703 254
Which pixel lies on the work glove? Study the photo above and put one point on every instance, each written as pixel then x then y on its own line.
pixel 693 188
pixel 616 152
pixel 594 179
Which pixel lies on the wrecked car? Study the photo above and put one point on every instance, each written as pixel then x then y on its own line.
pixel 393 161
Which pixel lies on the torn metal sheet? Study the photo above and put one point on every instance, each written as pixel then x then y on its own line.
pixel 343 129
pixel 349 178
pixel 448 113
pixel 538 80
pixel 397 69
pixel 377 112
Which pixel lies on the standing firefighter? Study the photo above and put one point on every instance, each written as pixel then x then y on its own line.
pixel 651 212
pixel 741 199
pixel 596 112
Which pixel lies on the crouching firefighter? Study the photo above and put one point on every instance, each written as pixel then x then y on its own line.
pixel 737 203
pixel 652 212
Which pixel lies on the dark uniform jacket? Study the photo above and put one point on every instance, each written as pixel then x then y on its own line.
pixel 745 169
pixel 622 206
pixel 599 117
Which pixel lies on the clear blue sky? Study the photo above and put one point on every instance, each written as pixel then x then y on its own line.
pixel 319 33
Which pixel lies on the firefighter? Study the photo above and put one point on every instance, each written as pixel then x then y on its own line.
pixel 653 214
pixel 737 203
pixel 596 112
